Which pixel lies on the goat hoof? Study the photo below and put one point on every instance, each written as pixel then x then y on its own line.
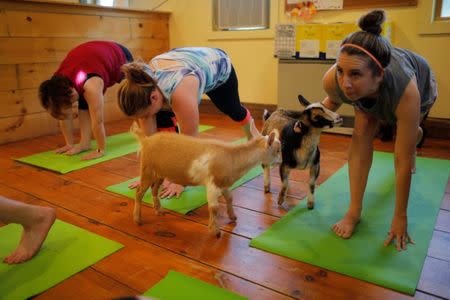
pixel 266 189
pixel 215 233
pixel 138 222
pixel 233 218
pixel 280 201
pixel 310 205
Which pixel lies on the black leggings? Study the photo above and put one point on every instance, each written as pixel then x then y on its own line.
pixel 128 55
pixel 226 98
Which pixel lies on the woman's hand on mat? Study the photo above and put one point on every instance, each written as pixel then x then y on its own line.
pixel 134 185
pixel 93 155
pixel 399 233
pixel 63 149
pixel 170 189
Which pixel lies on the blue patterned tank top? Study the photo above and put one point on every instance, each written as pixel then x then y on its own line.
pixel 211 66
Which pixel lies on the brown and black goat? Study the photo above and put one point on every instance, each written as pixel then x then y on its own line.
pixel 299 135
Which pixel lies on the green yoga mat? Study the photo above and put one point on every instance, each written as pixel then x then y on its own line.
pixel 179 286
pixel 116 145
pixel 192 197
pixel 66 251
pixel 305 235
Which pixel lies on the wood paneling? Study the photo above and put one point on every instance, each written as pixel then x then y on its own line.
pixel 8 77
pixel 3 24
pixel 157 27
pixel 29 24
pixel 32 75
pixel 26 125
pixel 35 50
pixel 36 36
pixel 18 102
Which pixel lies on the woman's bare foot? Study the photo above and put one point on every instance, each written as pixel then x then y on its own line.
pixel 33 236
pixel 344 228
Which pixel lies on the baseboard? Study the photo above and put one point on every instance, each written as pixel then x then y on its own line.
pixel 435 127
pixel 438 128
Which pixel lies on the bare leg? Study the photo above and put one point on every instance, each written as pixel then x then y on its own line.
pixel 36 222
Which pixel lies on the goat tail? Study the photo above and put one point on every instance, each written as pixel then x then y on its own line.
pixel 266 115
pixel 137 131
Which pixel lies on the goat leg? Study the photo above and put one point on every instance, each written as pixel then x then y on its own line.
pixel 155 195
pixel 213 193
pixel 284 175
pixel 266 169
pixel 314 171
pixel 229 199
pixel 140 191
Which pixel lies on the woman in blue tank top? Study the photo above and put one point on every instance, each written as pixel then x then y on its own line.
pixel 382 83
pixel 176 81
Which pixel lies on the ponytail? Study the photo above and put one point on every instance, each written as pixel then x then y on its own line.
pixel 134 93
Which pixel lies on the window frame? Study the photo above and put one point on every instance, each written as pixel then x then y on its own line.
pixel 437 12
pixel 427 21
pixel 260 34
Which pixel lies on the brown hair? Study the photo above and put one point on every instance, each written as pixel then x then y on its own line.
pixel 55 94
pixel 134 93
pixel 370 39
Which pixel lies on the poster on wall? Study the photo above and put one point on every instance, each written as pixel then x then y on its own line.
pixel 319 4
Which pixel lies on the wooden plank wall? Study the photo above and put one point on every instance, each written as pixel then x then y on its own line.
pixel 35 37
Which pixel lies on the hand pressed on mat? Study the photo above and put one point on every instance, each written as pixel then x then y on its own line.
pixel 399 232
pixel 170 189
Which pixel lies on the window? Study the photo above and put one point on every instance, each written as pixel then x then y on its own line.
pixel 442 10
pixel 240 15
pixel 433 17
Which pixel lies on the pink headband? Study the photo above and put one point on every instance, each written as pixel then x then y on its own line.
pixel 366 52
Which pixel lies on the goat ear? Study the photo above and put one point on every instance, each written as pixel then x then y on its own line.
pixel 274 134
pixel 253 130
pixel 298 127
pixel 303 101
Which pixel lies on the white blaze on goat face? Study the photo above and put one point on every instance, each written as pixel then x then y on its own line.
pixel 328 114
pixel 199 169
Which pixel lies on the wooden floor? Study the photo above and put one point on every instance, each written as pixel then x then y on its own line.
pixel 182 243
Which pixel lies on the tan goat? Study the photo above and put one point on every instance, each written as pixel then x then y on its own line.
pixel 194 161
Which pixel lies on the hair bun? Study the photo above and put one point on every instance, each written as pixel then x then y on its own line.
pixel 372 21
pixel 137 72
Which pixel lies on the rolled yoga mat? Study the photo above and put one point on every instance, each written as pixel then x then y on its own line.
pixel 305 235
